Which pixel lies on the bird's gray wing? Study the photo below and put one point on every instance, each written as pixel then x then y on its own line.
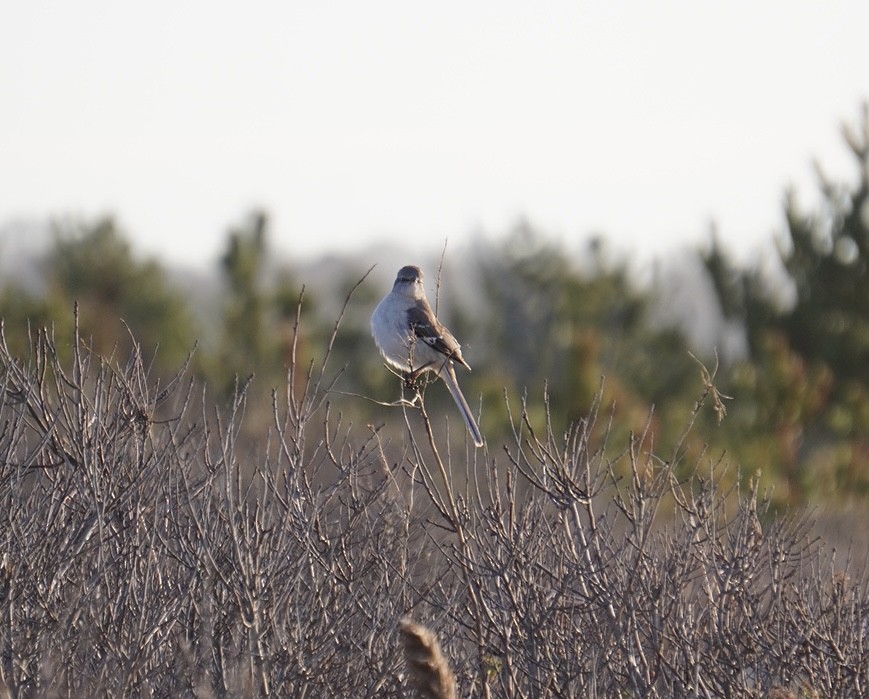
pixel 428 329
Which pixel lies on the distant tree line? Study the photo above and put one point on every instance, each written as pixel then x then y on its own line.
pixel 552 324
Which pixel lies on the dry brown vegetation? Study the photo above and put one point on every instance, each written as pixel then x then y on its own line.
pixel 145 550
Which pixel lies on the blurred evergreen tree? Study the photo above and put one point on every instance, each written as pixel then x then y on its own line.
pixel 826 259
pixel 803 398
pixel 242 267
pixel 828 262
pixel 250 342
pixel 551 321
pixel 93 265
pixel 744 295
pixel 353 350
pixel 257 317
pixel 22 312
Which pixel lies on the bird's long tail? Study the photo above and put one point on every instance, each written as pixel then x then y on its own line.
pixel 448 374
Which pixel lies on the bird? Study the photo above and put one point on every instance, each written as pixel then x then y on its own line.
pixel 411 339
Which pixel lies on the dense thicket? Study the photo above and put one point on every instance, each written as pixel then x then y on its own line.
pixel 146 551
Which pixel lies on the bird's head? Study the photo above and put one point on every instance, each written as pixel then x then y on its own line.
pixel 409 281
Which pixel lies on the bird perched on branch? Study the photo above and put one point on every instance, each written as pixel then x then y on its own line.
pixel 412 340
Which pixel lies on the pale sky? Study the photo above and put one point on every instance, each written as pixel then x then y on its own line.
pixel 355 122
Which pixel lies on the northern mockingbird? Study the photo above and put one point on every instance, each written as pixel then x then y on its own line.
pixel 412 340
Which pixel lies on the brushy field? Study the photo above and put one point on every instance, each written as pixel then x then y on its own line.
pixel 149 547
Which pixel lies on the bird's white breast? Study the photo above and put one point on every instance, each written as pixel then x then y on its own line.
pixel 391 332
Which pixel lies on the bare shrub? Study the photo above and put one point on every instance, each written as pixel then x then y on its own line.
pixel 145 551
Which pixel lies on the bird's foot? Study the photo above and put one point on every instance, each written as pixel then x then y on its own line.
pixel 410 377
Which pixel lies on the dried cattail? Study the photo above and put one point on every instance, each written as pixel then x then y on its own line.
pixel 780 693
pixel 429 671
